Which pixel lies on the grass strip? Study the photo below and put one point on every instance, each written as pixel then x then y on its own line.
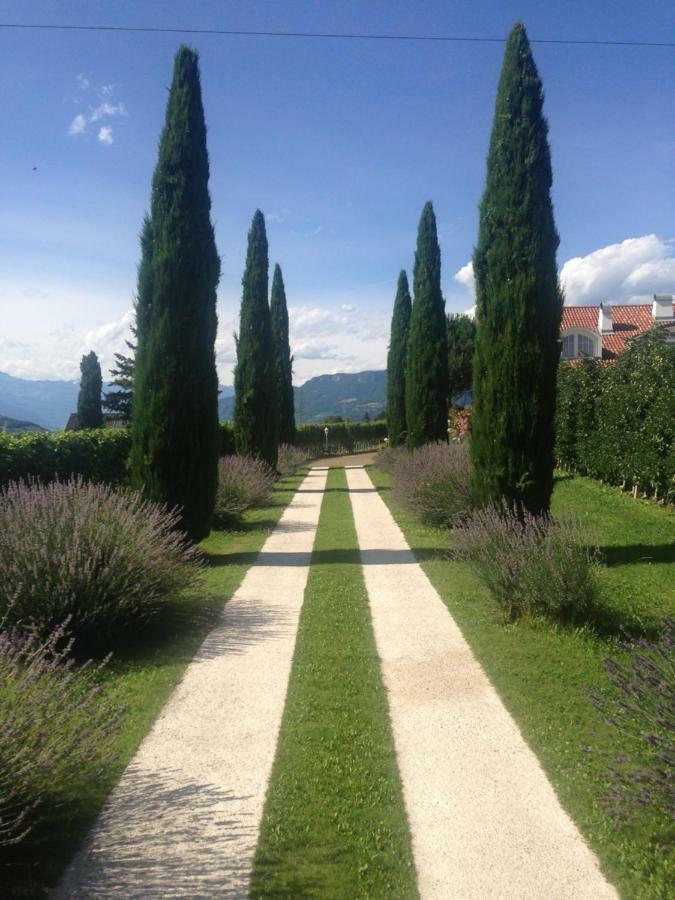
pixel 143 673
pixel 543 672
pixel 334 823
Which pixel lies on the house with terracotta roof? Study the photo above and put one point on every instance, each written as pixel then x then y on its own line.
pixel 602 331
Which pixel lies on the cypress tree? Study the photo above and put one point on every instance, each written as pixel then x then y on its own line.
pixel 175 433
pixel 461 343
pixel 396 362
pixel 518 299
pixel 89 413
pixel 255 401
pixel 282 359
pixel 426 386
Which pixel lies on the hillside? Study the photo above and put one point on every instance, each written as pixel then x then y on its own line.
pixel 18 426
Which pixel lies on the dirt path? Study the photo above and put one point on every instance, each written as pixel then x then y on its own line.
pixel 184 819
pixel 484 819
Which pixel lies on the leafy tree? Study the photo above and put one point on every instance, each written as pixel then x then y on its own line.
pixel 426 386
pixel 518 300
pixel 89 413
pixel 396 362
pixel 119 401
pixel 255 386
pixel 175 434
pixel 461 344
pixel 282 359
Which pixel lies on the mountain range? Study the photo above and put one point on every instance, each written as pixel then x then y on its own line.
pixel 48 404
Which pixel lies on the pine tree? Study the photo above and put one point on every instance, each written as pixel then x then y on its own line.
pixel 426 385
pixel 518 300
pixel 119 401
pixel 283 359
pixel 89 413
pixel 396 362
pixel 461 344
pixel 255 403
pixel 175 411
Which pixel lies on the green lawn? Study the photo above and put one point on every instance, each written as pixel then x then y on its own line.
pixel 334 824
pixel 542 672
pixel 143 674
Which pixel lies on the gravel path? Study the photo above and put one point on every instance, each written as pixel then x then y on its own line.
pixel 485 821
pixel 184 819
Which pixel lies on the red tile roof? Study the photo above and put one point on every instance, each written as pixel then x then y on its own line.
pixel 627 321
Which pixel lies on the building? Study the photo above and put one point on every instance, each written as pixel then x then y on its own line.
pixel 110 420
pixel 602 331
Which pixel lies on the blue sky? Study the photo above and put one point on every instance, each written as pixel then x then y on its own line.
pixel 340 143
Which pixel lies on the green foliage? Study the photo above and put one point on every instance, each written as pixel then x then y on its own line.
pixel 461 343
pixel 396 362
pixel 426 385
pixel 617 422
pixel 227 439
pixel 96 455
pixel 341 435
pixel 175 413
pixel 255 383
pixel 283 360
pixel 518 300
pixel 89 413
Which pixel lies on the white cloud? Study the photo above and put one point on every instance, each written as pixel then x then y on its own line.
pixel 105 135
pixel 78 125
pixel 465 277
pixel 83 82
pixel 629 272
pixel 279 217
pixel 347 307
pixel 108 109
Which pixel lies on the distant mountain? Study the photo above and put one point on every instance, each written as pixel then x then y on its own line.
pixel 17 426
pixel 348 395
pixel 49 403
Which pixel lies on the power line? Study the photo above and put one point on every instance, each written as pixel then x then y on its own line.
pixel 448 39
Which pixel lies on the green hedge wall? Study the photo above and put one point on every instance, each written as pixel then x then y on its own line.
pixel 617 422
pixel 341 435
pixel 97 455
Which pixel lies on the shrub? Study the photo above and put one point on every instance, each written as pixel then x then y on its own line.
pixel 342 436
pixel 434 482
pixel 97 455
pixel 83 551
pixel 640 705
pixel 290 459
pixel 54 724
pixel 243 482
pixel 536 566
pixel 387 458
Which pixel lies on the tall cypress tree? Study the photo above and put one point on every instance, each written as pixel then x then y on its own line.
pixel 282 359
pixel 426 386
pixel 518 299
pixel 396 362
pixel 255 388
pixel 89 413
pixel 175 411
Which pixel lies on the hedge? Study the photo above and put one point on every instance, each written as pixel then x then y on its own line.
pixel 98 454
pixel 342 436
pixel 617 422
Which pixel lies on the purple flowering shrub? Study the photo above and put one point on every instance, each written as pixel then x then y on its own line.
pixel 531 566
pixel 56 724
pixel 243 482
pixel 85 552
pixel 640 707
pixel 291 459
pixel 387 458
pixel 433 482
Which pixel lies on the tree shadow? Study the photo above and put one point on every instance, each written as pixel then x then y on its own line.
pixel 632 554
pixel 373 557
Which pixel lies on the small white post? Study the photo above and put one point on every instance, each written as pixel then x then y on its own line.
pixel 325 431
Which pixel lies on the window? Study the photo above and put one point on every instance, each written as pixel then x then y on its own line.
pixel 576 346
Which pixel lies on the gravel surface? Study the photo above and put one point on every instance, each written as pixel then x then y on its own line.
pixel 184 819
pixel 484 819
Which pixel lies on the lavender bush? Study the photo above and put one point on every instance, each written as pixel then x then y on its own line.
pixel 88 553
pixel 243 482
pixel 387 458
pixel 434 482
pixel 291 459
pixel 640 706
pixel 55 724
pixel 537 566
